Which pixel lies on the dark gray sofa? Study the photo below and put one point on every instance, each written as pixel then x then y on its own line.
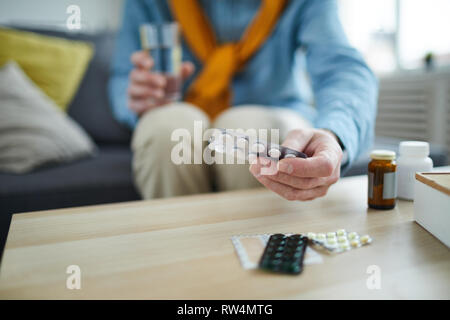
pixel 106 177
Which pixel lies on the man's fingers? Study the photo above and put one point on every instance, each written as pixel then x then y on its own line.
pixel 144 77
pixel 288 192
pixel 310 194
pixel 141 91
pixel 298 183
pixel 140 106
pixel 318 166
pixel 187 68
pixel 142 59
pixel 297 139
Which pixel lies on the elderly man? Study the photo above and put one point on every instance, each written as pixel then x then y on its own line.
pixel 243 67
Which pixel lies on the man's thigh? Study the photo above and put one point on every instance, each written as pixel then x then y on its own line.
pixel 158 170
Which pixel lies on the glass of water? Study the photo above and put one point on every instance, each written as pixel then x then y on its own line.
pixel 162 41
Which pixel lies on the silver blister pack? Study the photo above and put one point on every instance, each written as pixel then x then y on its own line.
pixel 242 146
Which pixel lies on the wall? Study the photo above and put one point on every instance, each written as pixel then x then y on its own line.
pixel 96 15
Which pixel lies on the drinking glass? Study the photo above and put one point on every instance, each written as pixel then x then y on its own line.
pixel 162 41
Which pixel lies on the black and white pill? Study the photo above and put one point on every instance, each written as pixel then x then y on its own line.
pixel 275 153
pixel 290 155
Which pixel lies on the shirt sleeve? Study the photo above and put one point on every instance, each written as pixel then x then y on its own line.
pixel 345 89
pixel 127 42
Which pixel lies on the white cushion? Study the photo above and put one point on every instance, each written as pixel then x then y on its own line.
pixel 33 130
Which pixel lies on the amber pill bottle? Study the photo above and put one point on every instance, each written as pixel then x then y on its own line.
pixel 382 180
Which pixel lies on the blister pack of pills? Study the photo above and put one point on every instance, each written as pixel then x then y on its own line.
pixel 250 248
pixel 247 147
pixel 338 241
pixel 284 254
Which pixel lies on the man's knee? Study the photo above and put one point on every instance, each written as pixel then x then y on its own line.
pixel 156 174
pixel 262 117
pixel 245 117
pixel 159 124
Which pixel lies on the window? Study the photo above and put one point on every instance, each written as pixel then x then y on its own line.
pixel 424 28
pixel 398 34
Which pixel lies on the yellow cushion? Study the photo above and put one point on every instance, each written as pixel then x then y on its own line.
pixel 56 65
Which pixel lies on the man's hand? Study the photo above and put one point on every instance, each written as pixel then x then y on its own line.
pixel 304 179
pixel 146 89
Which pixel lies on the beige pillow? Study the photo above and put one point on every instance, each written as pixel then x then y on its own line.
pixel 33 130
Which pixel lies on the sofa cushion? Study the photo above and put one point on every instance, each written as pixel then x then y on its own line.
pixel 90 106
pixel 34 131
pixel 105 178
pixel 58 67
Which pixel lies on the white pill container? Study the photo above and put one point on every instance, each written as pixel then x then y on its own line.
pixel 413 158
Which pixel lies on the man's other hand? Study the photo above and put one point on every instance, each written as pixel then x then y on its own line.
pixel 146 88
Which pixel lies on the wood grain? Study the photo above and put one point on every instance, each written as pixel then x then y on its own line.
pixel 180 248
pixel 437 180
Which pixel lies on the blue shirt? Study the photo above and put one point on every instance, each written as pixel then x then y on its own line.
pixel 307 37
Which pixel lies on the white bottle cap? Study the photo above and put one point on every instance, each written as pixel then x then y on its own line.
pixel 382 155
pixel 414 148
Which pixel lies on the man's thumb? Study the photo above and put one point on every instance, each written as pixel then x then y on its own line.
pixel 298 139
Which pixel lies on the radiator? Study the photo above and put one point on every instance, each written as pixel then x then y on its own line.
pixel 414 106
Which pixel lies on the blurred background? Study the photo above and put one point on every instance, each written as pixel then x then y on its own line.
pixel 405 42
pixel 393 34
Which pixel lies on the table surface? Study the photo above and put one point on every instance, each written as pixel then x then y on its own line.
pixel 180 248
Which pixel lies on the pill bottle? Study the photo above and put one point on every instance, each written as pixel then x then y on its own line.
pixel 382 180
pixel 413 157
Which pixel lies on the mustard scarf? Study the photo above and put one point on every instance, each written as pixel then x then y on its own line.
pixel 211 90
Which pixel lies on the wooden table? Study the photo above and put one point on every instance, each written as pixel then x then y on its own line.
pixel 181 248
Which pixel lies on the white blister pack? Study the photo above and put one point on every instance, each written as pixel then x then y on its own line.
pixel 248 147
pixel 250 248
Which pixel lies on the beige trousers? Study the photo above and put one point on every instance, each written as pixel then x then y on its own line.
pixel 156 176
